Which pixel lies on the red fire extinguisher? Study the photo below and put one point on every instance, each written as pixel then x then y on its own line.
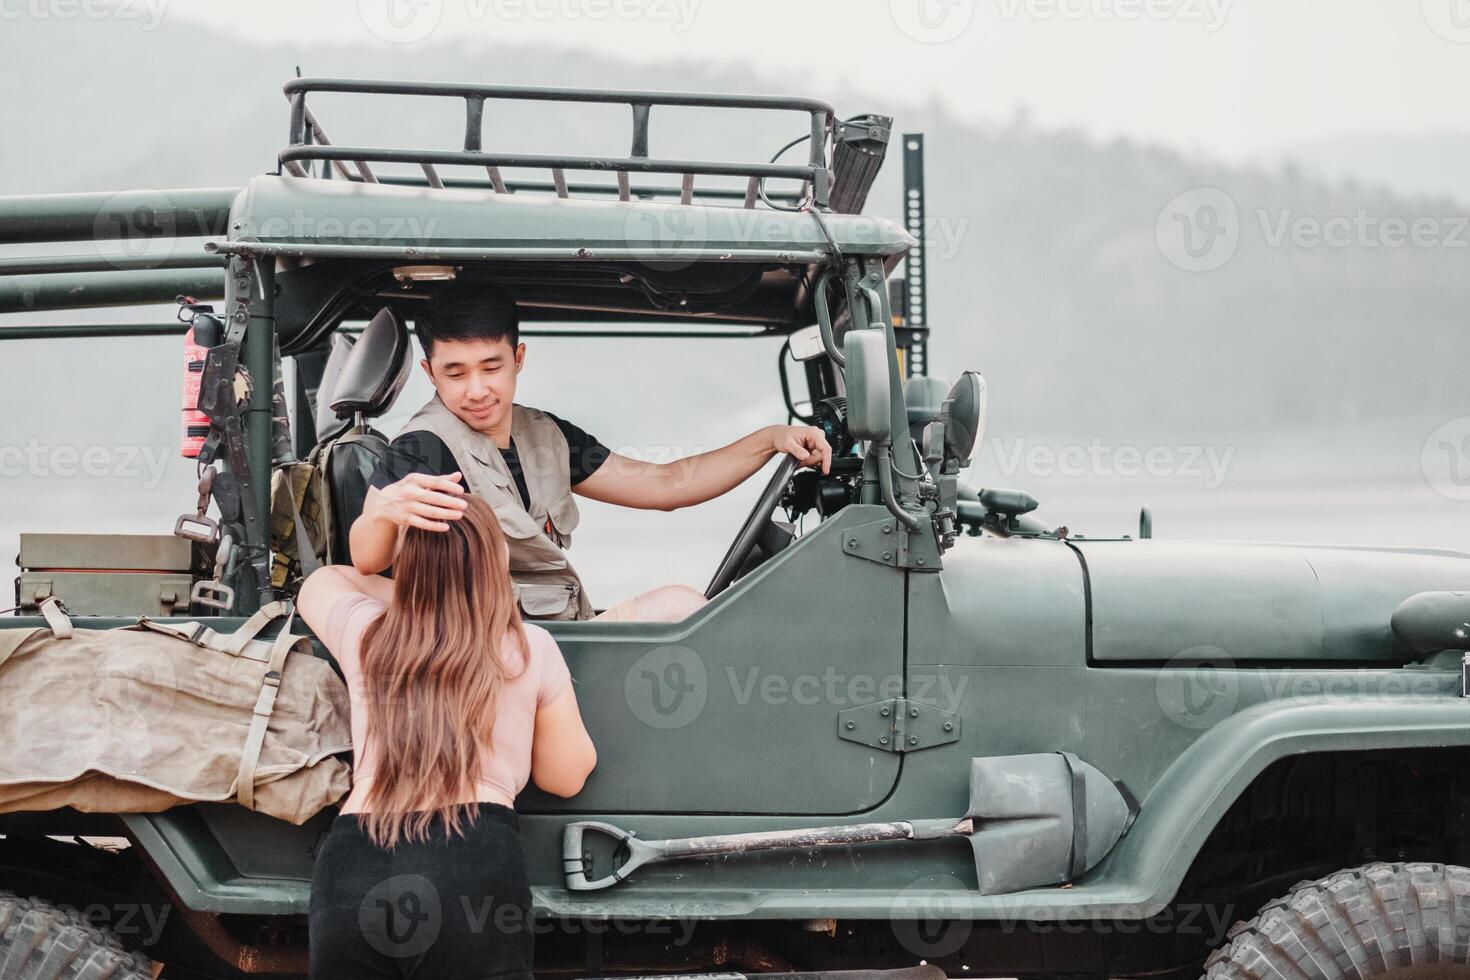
pixel 196 423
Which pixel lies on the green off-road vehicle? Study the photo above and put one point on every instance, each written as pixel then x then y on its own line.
pixel 992 748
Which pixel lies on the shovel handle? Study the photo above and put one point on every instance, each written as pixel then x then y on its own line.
pixel 574 863
pixel 716 844
pixel 641 852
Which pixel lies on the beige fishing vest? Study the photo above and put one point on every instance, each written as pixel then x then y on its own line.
pixel 546 584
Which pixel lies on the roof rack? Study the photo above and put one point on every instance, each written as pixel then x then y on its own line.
pixel 309 142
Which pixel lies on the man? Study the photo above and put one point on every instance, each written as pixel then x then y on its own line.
pixel 527 464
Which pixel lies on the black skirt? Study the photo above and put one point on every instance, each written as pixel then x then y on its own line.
pixel 442 909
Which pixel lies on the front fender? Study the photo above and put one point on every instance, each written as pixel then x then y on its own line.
pixel 1186 803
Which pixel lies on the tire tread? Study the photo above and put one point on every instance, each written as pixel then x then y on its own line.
pixel 40 941
pixel 1357 923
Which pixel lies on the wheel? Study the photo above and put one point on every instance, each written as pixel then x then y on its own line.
pixel 39 941
pixel 1406 921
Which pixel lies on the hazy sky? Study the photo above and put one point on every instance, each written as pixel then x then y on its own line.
pixel 1237 79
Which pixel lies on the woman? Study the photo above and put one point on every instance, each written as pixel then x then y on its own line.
pixel 455 703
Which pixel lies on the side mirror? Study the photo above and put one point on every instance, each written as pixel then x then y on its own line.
pixel 869 411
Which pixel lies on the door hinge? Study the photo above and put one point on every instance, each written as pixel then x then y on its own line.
pixel 898 725
pixel 887 542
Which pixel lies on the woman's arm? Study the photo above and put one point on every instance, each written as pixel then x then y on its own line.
pixel 562 753
pixel 326 585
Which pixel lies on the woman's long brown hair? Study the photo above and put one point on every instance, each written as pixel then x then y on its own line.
pixel 432 668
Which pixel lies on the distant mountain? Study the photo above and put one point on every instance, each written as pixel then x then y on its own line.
pixel 1428 165
pixel 1106 289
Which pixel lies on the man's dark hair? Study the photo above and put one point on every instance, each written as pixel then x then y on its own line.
pixel 468 310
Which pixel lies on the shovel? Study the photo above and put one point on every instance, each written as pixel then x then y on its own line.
pixel 1033 820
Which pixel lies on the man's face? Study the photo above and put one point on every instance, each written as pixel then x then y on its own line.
pixel 476 379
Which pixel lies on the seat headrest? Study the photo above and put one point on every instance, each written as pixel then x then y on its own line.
pixel 327 422
pixel 375 369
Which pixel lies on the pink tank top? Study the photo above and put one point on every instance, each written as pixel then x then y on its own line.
pixel 507 768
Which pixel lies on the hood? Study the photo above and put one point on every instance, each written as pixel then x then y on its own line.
pixel 1161 600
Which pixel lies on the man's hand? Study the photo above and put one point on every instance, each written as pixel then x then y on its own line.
pixel 807 443
pixel 419 500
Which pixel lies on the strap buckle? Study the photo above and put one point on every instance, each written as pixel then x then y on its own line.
pixel 216 595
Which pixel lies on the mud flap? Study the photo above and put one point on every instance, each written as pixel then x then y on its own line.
pixel 1042 819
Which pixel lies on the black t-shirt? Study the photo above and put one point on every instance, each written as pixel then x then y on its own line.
pixel 423 452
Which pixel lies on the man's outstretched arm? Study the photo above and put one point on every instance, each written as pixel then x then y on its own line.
pixel 695 479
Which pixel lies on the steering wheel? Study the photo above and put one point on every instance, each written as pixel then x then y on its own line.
pixel 750 531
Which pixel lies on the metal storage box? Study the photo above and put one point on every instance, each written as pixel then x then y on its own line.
pixel 105 574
